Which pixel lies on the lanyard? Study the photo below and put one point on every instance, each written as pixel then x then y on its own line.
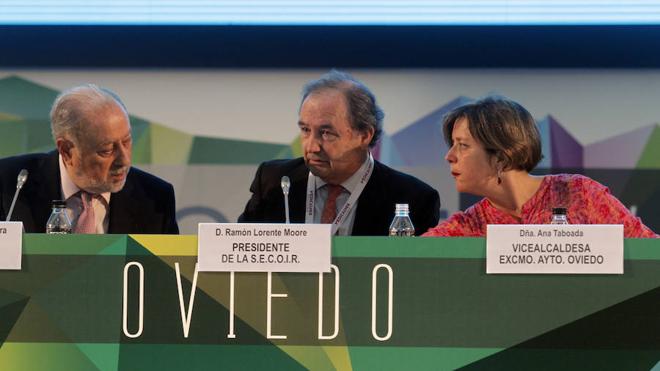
pixel 365 173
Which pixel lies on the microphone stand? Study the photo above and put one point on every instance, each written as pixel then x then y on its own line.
pixel 22 178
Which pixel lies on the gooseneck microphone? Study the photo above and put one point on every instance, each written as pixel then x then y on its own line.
pixel 285 183
pixel 22 178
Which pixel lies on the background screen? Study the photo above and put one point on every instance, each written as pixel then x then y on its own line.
pixel 324 12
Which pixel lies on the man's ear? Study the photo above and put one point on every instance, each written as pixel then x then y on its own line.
pixel 65 148
pixel 367 135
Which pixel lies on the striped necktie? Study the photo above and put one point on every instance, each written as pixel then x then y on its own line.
pixel 330 208
pixel 87 220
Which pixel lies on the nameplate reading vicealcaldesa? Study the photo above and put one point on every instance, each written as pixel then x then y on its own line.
pixel 554 249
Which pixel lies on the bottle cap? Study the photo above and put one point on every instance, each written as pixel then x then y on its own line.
pixel 558 211
pixel 401 208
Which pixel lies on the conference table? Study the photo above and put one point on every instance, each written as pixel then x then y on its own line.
pixel 136 302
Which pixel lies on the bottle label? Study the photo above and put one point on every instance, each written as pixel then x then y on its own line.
pixel 402 232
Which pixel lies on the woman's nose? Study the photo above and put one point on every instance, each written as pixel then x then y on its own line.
pixel 450 157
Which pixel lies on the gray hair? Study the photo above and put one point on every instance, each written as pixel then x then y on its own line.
pixel 363 111
pixel 73 108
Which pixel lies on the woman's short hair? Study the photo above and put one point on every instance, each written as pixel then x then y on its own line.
pixel 505 129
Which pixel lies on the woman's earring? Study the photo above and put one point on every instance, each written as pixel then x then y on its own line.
pixel 499 176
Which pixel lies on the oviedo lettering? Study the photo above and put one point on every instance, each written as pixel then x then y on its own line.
pixel 381 274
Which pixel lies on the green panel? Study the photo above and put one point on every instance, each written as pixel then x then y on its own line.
pixel 9 117
pixel 14 138
pixel 141 140
pixel 418 359
pixel 35 323
pixel 169 146
pixel 85 301
pixel 568 360
pixel 296 147
pixel 285 153
pixel 40 137
pixel 650 157
pixel 104 356
pixel 44 356
pixel 43 244
pixel 204 357
pixel 342 246
pixel 207 150
pixel 65 306
pixel 436 247
pixel 26 99
pixel 11 309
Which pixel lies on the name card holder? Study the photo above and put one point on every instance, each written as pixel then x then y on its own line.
pixel 554 249
pixel 237 247
pixel 11 245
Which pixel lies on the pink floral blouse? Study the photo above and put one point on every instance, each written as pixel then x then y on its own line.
pixel 586 201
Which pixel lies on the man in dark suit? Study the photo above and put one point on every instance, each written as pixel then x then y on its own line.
pixel 337 181
pixel 91 171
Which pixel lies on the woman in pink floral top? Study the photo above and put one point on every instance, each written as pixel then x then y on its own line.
pixel 494 144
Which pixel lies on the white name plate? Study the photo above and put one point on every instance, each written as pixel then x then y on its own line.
pixel 11 245
pixel 554 249
pixel 236 247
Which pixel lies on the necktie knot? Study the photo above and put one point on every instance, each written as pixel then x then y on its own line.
pixel 86 220
pixel 86 198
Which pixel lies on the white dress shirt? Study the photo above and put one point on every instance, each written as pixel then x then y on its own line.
pixel 74 203
pixel 322 194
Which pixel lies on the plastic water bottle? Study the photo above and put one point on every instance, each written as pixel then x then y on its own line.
pixel 401 224
pixel 59 221
pixel 559 216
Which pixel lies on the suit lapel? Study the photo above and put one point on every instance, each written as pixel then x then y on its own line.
pixel 371 213
pixel 124 206
pixel 298 193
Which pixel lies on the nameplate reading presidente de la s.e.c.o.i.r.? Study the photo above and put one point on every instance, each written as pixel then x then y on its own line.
pixel 236 247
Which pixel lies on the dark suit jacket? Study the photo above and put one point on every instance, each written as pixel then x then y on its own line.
pixel 145 204
pixel 375 208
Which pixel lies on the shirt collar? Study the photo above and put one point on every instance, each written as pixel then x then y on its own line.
pixel 350 183
pixel 69 188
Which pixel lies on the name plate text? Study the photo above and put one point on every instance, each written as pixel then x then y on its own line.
pixel 11 245
pixel 554 249
pixel 236 247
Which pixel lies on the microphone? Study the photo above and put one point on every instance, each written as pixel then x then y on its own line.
pixel 22 178
pixel 285 183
